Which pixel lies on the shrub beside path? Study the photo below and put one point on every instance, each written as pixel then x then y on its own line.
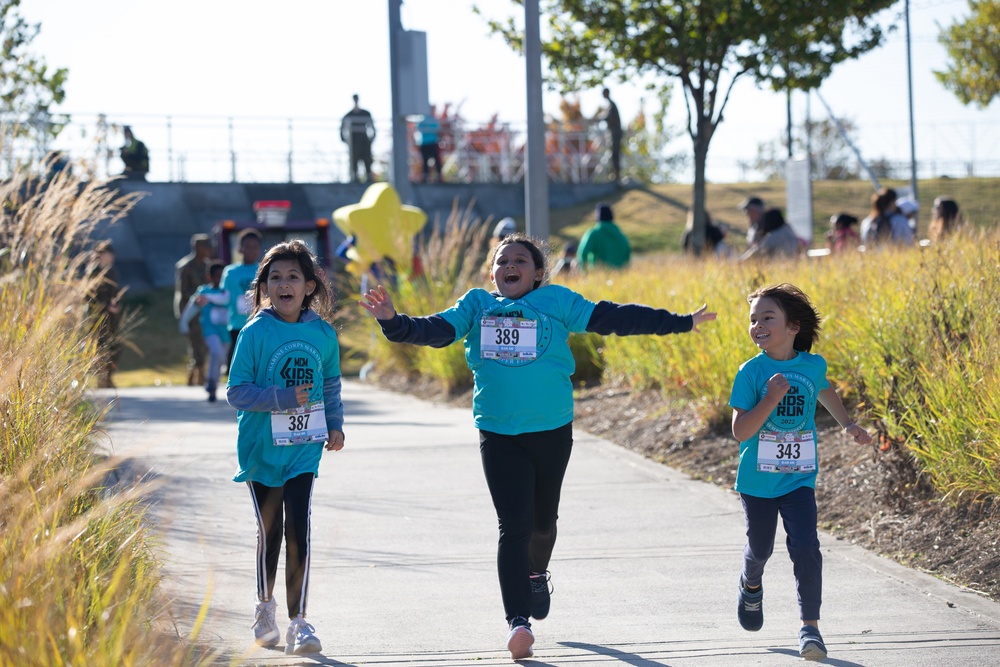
pixel 404 538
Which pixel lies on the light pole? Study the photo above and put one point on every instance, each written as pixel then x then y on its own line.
pixel 909 81
pixel 536 178
pixel 400 174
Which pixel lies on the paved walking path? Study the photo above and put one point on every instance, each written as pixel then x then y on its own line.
pixel 404 541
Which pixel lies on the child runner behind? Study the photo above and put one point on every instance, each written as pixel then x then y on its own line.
pixel 516 344
pixel 774 408
pixel 285 385
pixel 209 303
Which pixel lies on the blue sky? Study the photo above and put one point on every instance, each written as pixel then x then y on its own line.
pixel 140 61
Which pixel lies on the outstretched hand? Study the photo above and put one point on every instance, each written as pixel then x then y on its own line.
pixel 378 303
pixel 702 315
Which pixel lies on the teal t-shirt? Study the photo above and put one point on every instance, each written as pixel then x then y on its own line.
pixel 214 318
pixel 236 280
pixel 522 374
pixel 806 375
pixel 273 353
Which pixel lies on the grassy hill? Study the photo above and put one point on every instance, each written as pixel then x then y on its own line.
pixel 653 217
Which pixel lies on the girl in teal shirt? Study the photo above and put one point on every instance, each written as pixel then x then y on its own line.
pixel 516 343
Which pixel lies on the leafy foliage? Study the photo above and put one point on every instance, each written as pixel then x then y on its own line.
pixel 707 45
pixel 974 49
pixel 28 86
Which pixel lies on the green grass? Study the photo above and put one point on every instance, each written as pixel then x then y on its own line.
pixel 653 217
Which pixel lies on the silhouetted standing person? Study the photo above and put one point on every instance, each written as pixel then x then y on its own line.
pixel 614 122
pixel 135 155
pixel 104 300
pixel 191 272
pixel 358 131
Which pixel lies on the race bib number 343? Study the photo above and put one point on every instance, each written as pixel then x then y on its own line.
pixel 508 338
pixel 786 451
pixel 303 425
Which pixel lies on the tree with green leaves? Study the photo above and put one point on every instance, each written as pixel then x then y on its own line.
pixel 973 47
pixel 28 89
pixel 705 44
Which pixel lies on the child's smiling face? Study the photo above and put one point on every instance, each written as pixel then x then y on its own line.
pixel 770 329
pixel 514 272
pixel 287 288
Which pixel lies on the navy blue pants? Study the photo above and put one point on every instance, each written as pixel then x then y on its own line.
pixel 284 510
pixel 798 515
pixel 525 474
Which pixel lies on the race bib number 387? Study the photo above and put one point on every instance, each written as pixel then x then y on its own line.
pixel 786 451
pixel 508 338
pixel 303 425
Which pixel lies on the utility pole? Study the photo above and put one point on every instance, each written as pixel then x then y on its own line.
pixel 400 174
pixel 909 81
pixel 536 178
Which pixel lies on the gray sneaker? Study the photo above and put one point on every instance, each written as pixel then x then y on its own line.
pixel 265 629
pixel 301 639
pixel 541 595
pixel 811 646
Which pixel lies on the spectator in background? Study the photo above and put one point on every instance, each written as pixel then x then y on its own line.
pixel 604 244
pixel 135 155
pixel 236 281
pixel 190 273
pixel 753 209
pixel 947 220
pixel 909 208
pixel 567 263
pixel 715 236
pixel 426 137
pixel 613 120
pixel 842 236
pixel 104 301
pixel 358 131
pixel 775 238
pixel 885 224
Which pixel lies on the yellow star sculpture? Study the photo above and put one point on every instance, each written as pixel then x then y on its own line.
pixel 382 227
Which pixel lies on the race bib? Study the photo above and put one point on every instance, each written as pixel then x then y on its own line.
pixel 508 338
pixel 786 451
pixel 303 425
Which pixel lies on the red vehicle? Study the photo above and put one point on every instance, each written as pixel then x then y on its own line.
pixel 274 226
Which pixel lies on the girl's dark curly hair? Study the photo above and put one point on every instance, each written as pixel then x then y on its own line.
pixel 295 251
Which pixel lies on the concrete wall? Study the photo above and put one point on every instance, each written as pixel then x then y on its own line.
pixel 157 231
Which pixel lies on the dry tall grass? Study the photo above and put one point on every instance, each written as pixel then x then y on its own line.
pixel 78 578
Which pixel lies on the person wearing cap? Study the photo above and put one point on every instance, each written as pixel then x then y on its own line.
pixel 753 209
pixel 604 244
pixel 909 209
pixel 191 272
pixel 104 302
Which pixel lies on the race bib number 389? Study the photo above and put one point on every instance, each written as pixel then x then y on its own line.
pixel 786 451
pixel 303 425
pixel 508 338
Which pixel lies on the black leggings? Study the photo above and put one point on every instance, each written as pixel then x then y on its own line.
pixel 291 506
pixel 525 474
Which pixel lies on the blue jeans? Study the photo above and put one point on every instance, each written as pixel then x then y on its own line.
pixel 798 515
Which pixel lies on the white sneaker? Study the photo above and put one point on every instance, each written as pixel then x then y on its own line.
pixel 520 640
pixel 265 629
pixel 301 639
